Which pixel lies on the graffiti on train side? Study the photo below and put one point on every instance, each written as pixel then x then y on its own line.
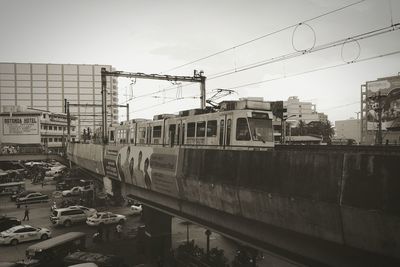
pixel 147 167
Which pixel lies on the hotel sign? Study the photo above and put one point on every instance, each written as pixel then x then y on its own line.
pixel 20 126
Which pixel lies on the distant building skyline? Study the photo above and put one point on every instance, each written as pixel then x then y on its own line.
pixel 45 86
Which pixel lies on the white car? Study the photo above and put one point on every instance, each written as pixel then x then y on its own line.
pixel 136 209
pixel 102 218
pixel 73 191
pixel 23 233
pixel 88 211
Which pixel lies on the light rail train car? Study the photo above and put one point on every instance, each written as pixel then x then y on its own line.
pixel 243 124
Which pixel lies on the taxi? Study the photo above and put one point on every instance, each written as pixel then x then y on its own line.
pixel 101 218
pixel 23 233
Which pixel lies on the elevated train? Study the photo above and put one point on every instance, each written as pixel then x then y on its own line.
pixel 244 124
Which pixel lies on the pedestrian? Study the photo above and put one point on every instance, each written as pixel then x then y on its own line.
pixel 119 230
pixel 42 183
pixel 26 216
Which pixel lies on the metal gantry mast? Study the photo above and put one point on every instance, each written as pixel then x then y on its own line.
pixel 198 77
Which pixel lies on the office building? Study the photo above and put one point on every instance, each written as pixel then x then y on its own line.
pixel 348 129
pixel 301 111
pixel 45 86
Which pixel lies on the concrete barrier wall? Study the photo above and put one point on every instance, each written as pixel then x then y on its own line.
pixel 88 156
pixel 370 202
pixel 347 198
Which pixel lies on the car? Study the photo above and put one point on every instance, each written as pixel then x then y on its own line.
pixel 91 257
pixel 21 194
pixel 73 191
pixel 102 218
pixel 8 222
pixel 136 209
pixel 32 198
pixel 68 216
pixel 23 233
pixel 88 211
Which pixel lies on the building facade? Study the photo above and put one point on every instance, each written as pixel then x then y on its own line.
pixel 46 86
pixel 34 130
pixel 348 129
pixel 300 111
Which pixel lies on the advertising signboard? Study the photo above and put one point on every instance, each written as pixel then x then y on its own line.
pixel 384 94
pixel 147 167
pixel 20 125
pixel 20 128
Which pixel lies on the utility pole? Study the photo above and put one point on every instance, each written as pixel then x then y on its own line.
pixel 198 77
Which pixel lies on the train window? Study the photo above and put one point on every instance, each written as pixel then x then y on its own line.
pixel 221 132
pixel 201 129
pixel 142 132
pixel 242 130
pixel 191 128
pixel 183 133
pixel 172 128
pixel 156 131
pixel 212 128
pixel 228 132
pixel 261 129
pixel 179 134
pixel 149 135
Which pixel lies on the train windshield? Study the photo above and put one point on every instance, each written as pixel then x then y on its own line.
pixel 261 129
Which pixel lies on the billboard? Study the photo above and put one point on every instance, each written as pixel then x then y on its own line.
pixel 151 168
pixel 383 94
pixel 26 125
pixel 20 129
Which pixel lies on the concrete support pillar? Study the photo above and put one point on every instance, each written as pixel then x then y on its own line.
pixel 158 234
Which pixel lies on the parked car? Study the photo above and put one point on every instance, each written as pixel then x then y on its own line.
pixel 68 216
pixel 97 258
pixel 88 211
pixel 21 194
pixel 74 191
pixel 136 209
pixel 102 218
pixel 23 233
pixel 8 222
pixel 32 198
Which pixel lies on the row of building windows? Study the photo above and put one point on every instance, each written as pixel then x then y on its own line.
pixel 54 128
pixel 9 68
pixel 51 140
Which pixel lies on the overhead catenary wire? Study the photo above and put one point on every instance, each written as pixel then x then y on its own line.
pixel 328 45
pixel 315 70
pixel 264 36
pixel 342 42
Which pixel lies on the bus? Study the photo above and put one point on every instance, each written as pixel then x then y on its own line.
pixel 52 251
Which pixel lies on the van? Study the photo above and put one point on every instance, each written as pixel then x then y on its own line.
pixel 67 216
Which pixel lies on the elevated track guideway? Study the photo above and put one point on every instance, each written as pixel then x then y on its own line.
pixel 313 205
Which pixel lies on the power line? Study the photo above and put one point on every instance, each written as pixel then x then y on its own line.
pixel 332 44
pixel 288 56
pixel 341 106
pixel 264 36
pixel 315 70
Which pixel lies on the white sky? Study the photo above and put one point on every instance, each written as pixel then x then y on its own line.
pixel 154 36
